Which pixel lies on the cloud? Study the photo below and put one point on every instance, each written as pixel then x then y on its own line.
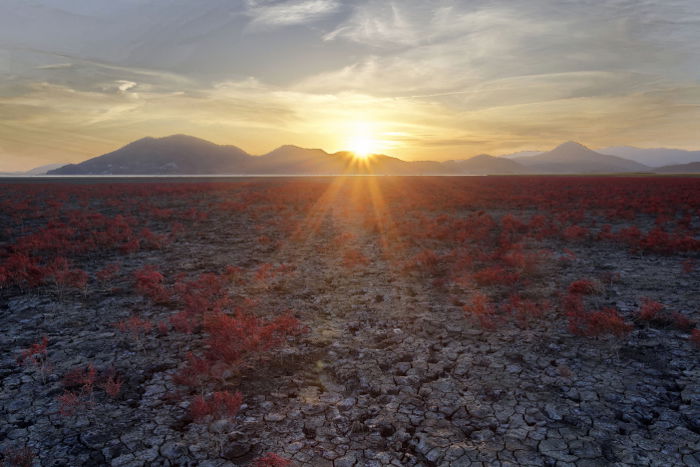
pixel 267 13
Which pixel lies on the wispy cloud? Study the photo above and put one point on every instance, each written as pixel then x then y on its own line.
pixel 267 13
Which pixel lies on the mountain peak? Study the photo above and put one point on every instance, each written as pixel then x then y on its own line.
pixel 570 145
pixel 573 157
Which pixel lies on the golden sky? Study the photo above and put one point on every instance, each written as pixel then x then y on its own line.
pixel 413 79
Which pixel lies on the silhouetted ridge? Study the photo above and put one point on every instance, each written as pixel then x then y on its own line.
pixel 183 155
pixel 573 157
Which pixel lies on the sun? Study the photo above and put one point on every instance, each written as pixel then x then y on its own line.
pixel 362 147
pixel 361 140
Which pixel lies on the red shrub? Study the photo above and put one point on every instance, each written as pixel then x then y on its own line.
pixel 688 266
pixel 79 384
pixel 271 460
pixel 206 293
pixel 682 322
pixel 108 272
pixel 24 270
pixel 152 240
pixel 82 378
pixel 427 260
pixel 496 275
pixel 525 310
pixel 135 326
pixel 195 373
pixel 36 353
pixel 695 338
pixel 65 277
pixel 112 385
pixel 243 338
pixel 222 404
pixel 575 233
pixel 37 356
pixel 353 258
pixel 597 323
pixel 163 329
pixel 650 309
pixel 481 308
pixel 582 287
pixel 18 457
pixel 149 283
pixel 184 322
pixel 68 403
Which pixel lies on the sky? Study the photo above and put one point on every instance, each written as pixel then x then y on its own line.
pixel 411 78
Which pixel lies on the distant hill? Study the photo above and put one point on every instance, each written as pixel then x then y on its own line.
pixel 693 167
pixel 177 154
pixel 571 157
pixel 519 154
pixel 484 164
pixel 187 155
pixel 654 157
pixel 41 170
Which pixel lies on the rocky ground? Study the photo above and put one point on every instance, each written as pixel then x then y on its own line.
pixel 390 372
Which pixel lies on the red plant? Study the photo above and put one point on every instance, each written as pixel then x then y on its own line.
pixel 4 277
pixel 79 384
pixel 682 322
pixel 525 310
pixel 481 308
pixel 221 404
pixel 112 384
pixel 108 272
pixel 163 329
pixel 37 356
pixel 688 266
pixel 36 353
pixel 496 275
pixel 271 460
pixel 152 240
pixel 65 277
pixel 264 273
pixel 568 255
pixel 695 338
pixel 243 338
pixel 149 283
pixel 183 322
pixel 597 323
pixel 68 403
pixel 206 293
pixel 24 270
pixel 650 310
pixel 18 457
pixel 195 373
pixel 582 287
pixel 82 378
pixel 353 258
pixel 575 233
pixel 135 326
pixel 427 260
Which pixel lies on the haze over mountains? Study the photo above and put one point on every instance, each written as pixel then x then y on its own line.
pixel 187 155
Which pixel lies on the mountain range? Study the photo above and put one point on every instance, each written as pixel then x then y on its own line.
pixel 41 170
pixel 187 155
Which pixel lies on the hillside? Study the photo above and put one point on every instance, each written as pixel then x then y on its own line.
pixel 693 167
pixel 572 157
pixel 177 154
pixel 484 164
pixel 654 157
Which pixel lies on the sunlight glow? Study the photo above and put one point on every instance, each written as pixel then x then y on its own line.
pixel 361 143
pixel 362 148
